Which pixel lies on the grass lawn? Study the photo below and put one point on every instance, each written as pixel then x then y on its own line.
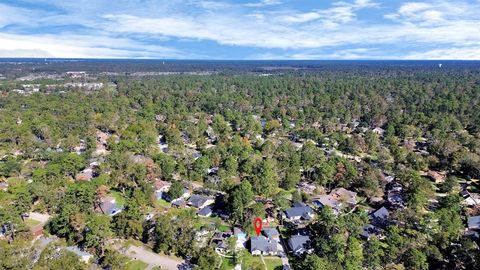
pixel 223 228
pixel 135 265
pixel 227 264
pixel 249 260
pixel 272 262
pixel 31 222
pixel 119 199
pixel 163 203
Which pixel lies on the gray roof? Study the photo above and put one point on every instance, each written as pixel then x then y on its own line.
pixel 302 211
pixel 263 244
pixel 109 207
pixel 197 200
pixel 78 251
pixel 381 214
pixel 297 242
pixel 370 230
pixel 270 232
pixel 178 202
pixel 327 200
pixel 205 211
pixel 474 222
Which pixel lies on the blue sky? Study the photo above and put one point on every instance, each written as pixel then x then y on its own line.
pixel 241 29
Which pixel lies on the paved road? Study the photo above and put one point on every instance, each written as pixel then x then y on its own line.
pixel 282 251
pixel 153 259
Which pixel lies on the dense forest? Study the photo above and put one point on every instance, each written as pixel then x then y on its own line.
pixel 357 124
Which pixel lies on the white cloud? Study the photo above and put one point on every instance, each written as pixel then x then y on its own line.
pixel 264 3
pixel 456 53
pixel 13 15
pixel 112 30
pixel 78 46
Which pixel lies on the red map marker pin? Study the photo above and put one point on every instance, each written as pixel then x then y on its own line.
pixel 258 225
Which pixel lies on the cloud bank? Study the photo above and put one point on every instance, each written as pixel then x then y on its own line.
pixel 262 29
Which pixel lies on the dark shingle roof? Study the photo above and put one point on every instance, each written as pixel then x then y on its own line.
pixel 297 242
pixel 270 232
pixel 381 214
pixel 205 211
pixel 263 244
pixel 197 200
pixel 474 222
pixel 298 211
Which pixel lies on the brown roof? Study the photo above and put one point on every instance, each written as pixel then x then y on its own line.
pixel 159 184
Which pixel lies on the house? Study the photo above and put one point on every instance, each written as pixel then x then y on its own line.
pixel 161 187
pixel 327 200
pixel 344 195
pixel 436 176
pixel 220 241
pixel 471 199
pixel 369 230
pixel 299 244
pixel 380 216
pixel 474 223
pixel 84 256
pixel 297 213
pixel 185 195
pixel 307 187
pixel 260 245
pixel 205 212
pixel 108 206
pixel 395 195
pixel 162 144
pixel 36 231
pixel 199 201
pixel 271 233
pixel 179 203
pixel 101 142
pixel 379 131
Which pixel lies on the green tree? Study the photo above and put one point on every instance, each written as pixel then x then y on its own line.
pixel 176 190
pixel 98 233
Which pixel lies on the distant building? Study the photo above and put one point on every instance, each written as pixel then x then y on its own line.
pixel 378 130
pixel 437 176
pixel 260 245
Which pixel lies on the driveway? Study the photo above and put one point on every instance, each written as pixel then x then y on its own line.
pixel 153 259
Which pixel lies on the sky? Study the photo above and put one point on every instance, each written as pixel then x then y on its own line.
pixel 241 29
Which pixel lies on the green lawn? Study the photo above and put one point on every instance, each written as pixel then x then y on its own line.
pixel 135 265
pixel 272 262
pixel 163 203
pixel 249 260
pixel 227 264
pixel 119 199
pixel 31 222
